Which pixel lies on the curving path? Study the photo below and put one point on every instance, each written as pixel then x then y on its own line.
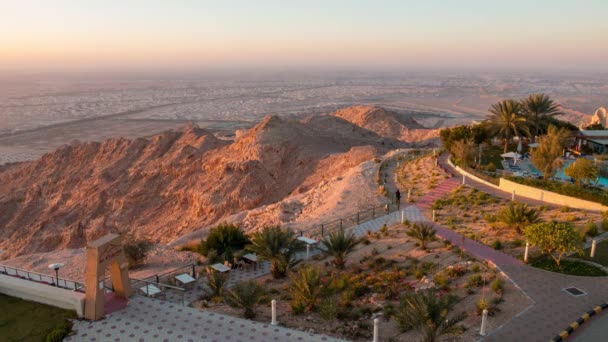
pixel 553 308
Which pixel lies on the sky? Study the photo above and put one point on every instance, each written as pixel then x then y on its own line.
pixel 165 34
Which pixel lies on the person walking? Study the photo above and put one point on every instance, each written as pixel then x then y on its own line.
pixel 398 198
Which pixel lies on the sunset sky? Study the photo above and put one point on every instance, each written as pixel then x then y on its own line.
pixel 91 34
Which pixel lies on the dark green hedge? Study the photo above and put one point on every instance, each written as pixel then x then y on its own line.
pixel 573 190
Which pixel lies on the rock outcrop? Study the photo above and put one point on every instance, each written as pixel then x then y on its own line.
pixel 173 183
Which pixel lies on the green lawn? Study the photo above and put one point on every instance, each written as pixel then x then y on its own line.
pixel 601 253
pixel 571 267
pixel 22 320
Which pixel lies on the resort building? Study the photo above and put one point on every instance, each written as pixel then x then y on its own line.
pixel 596 140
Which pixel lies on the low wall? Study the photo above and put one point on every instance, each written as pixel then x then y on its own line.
pixel 548 196
pixel 470 175
pixel 42 293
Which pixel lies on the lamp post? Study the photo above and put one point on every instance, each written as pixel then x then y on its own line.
pixel 56 267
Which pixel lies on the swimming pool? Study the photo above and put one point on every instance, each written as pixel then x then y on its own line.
pixel 562 175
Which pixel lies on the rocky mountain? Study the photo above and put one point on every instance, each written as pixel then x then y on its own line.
pixel 173 183
pixel 388 123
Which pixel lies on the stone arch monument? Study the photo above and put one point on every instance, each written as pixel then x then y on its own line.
pixel 600 117
pixel 104 253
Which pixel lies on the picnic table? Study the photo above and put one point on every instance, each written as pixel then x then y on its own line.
pixel 306 240
pixel 251 257
pixel 150 290
pixel 220 268
pixel 185 278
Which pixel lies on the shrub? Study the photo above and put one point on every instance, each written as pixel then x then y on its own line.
pixel 484 304
pixel 277 245
pixel 497 245
pixel 517 215
pixel 297 308
pixel 441 280
pixel 328 309
pixel 136 251
pixel 245 295
pixel 496 285
pixel 59 332
pixel 604 225
pixel 384 229
pixel 224 240
pixel 306 287
pixel 456 271
pixel 517 243
pixel 591 228
pixel 422 232
pixel 475 280
pixel 475 268
pixel 338 245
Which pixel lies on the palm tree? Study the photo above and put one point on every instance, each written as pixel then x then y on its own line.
pixel 216 281
pixel 538 110
pixel 306 287
pixel 338 245
pixel 518 215
pixel 246 295
pixel 278 246
pixel 422 232
pixel 505 121
pixel 428 313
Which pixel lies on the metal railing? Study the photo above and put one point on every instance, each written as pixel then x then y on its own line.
pixel 42 278
pixel 169 276
pixel 149 289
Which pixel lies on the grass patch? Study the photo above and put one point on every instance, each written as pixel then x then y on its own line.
pixel 601 253
pixel 571 267
pixel 22 320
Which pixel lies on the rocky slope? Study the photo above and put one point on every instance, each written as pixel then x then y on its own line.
pixel 174 183
pixel 389 124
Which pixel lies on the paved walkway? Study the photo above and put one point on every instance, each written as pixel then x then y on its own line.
pixel 146 319
pixel 553 309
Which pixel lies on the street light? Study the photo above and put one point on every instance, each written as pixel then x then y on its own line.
pixel 56 267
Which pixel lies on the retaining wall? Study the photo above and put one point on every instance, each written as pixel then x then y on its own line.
pixel 42 293
pixel 548 196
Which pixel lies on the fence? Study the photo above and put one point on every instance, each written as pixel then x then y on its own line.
pixel 158 290
pixel 42 278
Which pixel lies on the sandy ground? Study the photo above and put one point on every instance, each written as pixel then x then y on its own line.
pixel 402 252
pixel 472 211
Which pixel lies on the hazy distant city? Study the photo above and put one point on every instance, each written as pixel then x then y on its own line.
pixel 42 113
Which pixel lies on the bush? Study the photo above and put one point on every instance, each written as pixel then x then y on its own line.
pixel 591 228
pixel 216 282
pixel 497 245
pixel 298 308
pixel 571 267
pixel 328 309
pixel 475 280
pixel 306 287
pixel 245 295
pixel 136 251
pixel 497 285
pixel 60 332
pixel 224 240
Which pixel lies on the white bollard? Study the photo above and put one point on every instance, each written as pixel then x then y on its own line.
pixel 484 323
pixel 409 194
pixel 526 252
pixel 434 216
pixel 464 179
pixel 593 245
pixel 274 312
pixel 402 216
pixel 513 196
pixel 542 196
pixel 307 251
pixel 376 323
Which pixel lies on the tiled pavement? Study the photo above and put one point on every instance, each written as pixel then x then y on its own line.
pixel 146 319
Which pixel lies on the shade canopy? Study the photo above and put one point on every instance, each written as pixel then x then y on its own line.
pixel 513 155
pixel 533 145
